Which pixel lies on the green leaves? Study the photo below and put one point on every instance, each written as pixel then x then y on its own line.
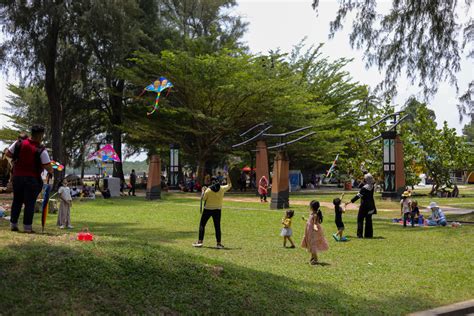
pixel 438 152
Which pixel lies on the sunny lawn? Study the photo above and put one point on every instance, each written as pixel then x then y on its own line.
pixel 142 262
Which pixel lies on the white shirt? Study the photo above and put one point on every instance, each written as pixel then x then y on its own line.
pixel 44 154
pixel 405 205
pixel 65 193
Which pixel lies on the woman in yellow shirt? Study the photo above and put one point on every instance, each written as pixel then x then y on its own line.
pixel 212 198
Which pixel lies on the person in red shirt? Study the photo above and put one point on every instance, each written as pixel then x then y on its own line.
pixel 30 158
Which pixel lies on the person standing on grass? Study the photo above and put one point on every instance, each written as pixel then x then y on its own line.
pixel 338 210
pixel 405 207
pixel 313 239
pixel 133 182
pixel 213 197
pixel 286 231
pixel 64 214
pixel 263 188
pixel 30 158
pixel 367 207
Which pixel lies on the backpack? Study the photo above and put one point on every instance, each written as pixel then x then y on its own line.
pixel 39 150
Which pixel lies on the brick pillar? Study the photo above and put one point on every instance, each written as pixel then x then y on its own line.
pixel 280 190
pixel 262 161
pixel 153 186
pixel 399 166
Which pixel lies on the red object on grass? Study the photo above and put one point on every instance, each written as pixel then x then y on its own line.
pixel 85 236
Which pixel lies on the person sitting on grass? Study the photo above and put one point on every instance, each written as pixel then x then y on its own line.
pixel 338 210
pixel 415 212
pixel 286 231
pixel 213 197
pixel 313 239
pixel 437 217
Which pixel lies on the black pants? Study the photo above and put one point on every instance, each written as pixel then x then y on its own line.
pixel 216 218
pixel 25 191
pixel 132 189
pixel 369 231
pixel 263 197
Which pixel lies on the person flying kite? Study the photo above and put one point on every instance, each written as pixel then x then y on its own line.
pixel 158 86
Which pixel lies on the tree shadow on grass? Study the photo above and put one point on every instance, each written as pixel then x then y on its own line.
pixel 135 231
pixel 73 278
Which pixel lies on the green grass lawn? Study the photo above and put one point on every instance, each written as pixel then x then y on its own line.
pixel 142 262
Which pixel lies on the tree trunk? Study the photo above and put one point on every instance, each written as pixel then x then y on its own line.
pixel 53 95
pixel 201 170
pixel 116 120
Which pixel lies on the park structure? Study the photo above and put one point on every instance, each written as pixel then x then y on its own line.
pixel 280 193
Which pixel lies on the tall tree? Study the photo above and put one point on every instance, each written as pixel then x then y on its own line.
pixel 438 151
pixel 112 30
pixel 203 26
pixel 415 38
pixel 35 30
pixel 213 98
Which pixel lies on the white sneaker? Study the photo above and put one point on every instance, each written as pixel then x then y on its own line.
pixel 61 227
pixel 220 246
pixel 70 227
pixel 197 244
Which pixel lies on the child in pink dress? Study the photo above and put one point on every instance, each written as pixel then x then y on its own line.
pixel 313 239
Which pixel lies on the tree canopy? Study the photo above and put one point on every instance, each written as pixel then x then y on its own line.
pixel 417 39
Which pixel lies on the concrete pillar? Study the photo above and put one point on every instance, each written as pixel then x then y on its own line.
pixel 400 183
pixel 262 161
pixel 153 186
pixel 280 189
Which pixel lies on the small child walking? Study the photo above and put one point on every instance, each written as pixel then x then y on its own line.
pixel 313 239
pixel 286 231
pixel 64 214
pixel 338 210
pixel 405 207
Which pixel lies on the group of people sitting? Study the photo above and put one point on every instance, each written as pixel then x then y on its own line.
pixel 83 192
pixel 411 213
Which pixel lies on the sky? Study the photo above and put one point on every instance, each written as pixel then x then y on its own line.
pixel 283 24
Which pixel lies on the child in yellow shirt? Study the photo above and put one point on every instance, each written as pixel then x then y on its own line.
pixel 286 231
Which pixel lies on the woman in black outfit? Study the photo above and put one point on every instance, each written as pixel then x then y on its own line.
pixel 367 207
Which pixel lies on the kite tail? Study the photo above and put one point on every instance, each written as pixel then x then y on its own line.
pixel 155 107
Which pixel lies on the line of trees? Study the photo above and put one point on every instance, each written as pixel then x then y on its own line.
pixel 83 63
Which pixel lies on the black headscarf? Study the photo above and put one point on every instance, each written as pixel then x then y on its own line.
pixel 216 186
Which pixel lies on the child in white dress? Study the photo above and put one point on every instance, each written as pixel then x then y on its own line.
pixel 64 214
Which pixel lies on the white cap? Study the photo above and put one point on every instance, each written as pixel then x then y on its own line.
pixel 433 204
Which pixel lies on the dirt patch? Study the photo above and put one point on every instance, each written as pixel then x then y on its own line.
pixel 292 202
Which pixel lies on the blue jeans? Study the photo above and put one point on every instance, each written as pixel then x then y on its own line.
pixel 437 223
pixel 25 191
